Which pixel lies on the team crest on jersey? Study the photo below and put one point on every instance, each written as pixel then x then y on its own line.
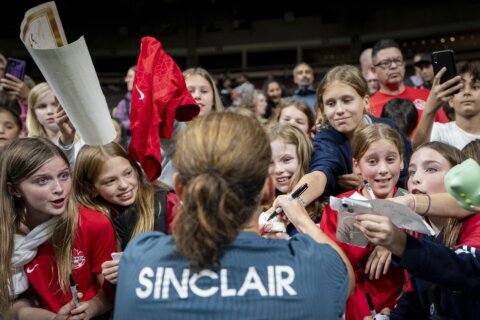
pixel 78 259
pixel 419 104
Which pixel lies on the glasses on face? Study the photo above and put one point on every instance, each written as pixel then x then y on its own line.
pixel 386 64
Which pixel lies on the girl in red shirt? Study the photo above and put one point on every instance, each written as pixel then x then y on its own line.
pixel 108 180
pixel 378 158
pixel 46 239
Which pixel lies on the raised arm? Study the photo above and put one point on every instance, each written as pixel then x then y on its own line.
pixel 299 217
pixel 439 94
pixel 316 180
pixel 441 205
pixel 454 268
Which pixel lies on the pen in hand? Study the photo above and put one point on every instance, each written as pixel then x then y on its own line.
pixel 295 194
pixel 73 288
pixel 369 189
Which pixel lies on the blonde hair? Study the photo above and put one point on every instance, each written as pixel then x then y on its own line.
pixel 301 106
pixel 223 174
pixel 217 101
pixel 35 128
pixel 20 160
pixel 454 156
pixel 88 166
pixel 363 139
pixel 244 111
pixel 289 134
pixel 349 75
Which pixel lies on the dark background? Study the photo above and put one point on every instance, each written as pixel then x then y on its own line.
pixel 233 37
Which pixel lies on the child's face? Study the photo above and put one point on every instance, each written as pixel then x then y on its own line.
pixel 117 182
pixel 201 91
pixel 380 166
pixel 45 111
pixel 426 171
pixel 466 103
pixel 294 117
pixel 46 192
pixel 9 129
pixel 261 106
pixel 343 107
pixel 285 163
pixel 274 92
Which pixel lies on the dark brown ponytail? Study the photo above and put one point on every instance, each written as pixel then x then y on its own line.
pixel 223 161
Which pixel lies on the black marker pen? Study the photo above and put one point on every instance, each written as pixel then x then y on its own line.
pixel 295 194
pixel 73 288
pixel 370 305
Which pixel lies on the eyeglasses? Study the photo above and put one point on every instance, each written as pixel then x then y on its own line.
pixel 386 64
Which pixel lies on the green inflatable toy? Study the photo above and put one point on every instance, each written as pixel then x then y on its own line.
pixel 463 182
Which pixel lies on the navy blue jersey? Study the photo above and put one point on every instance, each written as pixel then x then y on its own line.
pixel 258 278
pixel 446 280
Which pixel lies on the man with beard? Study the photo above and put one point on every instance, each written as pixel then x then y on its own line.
pixel 303 76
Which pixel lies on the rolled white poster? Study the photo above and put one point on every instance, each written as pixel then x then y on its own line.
pixel 69 71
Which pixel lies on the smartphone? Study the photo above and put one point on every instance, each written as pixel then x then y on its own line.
pixel 116 255
pixel 16 67
pixel 445 58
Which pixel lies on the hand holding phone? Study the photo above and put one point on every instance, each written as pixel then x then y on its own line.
pixel 16 67
pixel 445 58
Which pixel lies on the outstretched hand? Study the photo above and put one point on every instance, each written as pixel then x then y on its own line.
pixel 441 93
pixel 67 130
pixel 380 230
pixel 293 210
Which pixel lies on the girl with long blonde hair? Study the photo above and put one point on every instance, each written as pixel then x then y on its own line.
pixel 108 180
pixel 46 239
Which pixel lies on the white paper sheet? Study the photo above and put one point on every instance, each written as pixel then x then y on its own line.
pixel 69 71
pixel 347 208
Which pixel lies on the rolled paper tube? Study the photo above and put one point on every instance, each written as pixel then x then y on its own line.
pixel 70 73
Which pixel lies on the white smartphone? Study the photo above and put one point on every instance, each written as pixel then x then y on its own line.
pixel 116 255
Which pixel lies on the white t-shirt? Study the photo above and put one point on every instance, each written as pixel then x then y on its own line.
pixel 452 134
